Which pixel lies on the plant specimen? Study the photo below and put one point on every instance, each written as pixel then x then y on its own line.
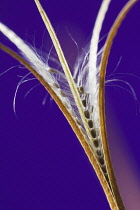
pixel 80 96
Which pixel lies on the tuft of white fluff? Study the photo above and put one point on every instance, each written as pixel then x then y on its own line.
pixel 56 79
pixel 27 52
pixel 87 68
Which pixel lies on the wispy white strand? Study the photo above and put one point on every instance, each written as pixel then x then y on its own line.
pixel 131 90
pixel 31 90
pixel 19 84
pixel 8 70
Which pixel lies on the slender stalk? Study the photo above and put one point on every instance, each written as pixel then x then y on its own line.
pixel 64 65
pixel 85 145
pixel 104 61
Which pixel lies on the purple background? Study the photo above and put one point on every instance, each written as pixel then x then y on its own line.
pixel 42 165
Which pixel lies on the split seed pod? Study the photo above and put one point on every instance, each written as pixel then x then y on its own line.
pixel 80 95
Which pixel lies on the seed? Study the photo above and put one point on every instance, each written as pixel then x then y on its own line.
pixel 53 71
pixel 104 169
pixel 62 93
pixel 87 115
pixel 93 133
pixel 99 153
pixel 90 123
pixel 101 161
pixel 107 178
pixel 84 102
pixel 96 143
pixel 81 90
pixel 56 85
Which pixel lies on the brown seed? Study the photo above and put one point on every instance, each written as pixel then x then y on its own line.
pixel 96 143
pixel 84 102
pixel 87 115
pixel 62 93
pixel 99 153
pixel 108 180
pixel 93 133
pixel 81 90
pixel 90 123
pixel 53 71
pixel 56 85
pixel 101 161
pixel 104 169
